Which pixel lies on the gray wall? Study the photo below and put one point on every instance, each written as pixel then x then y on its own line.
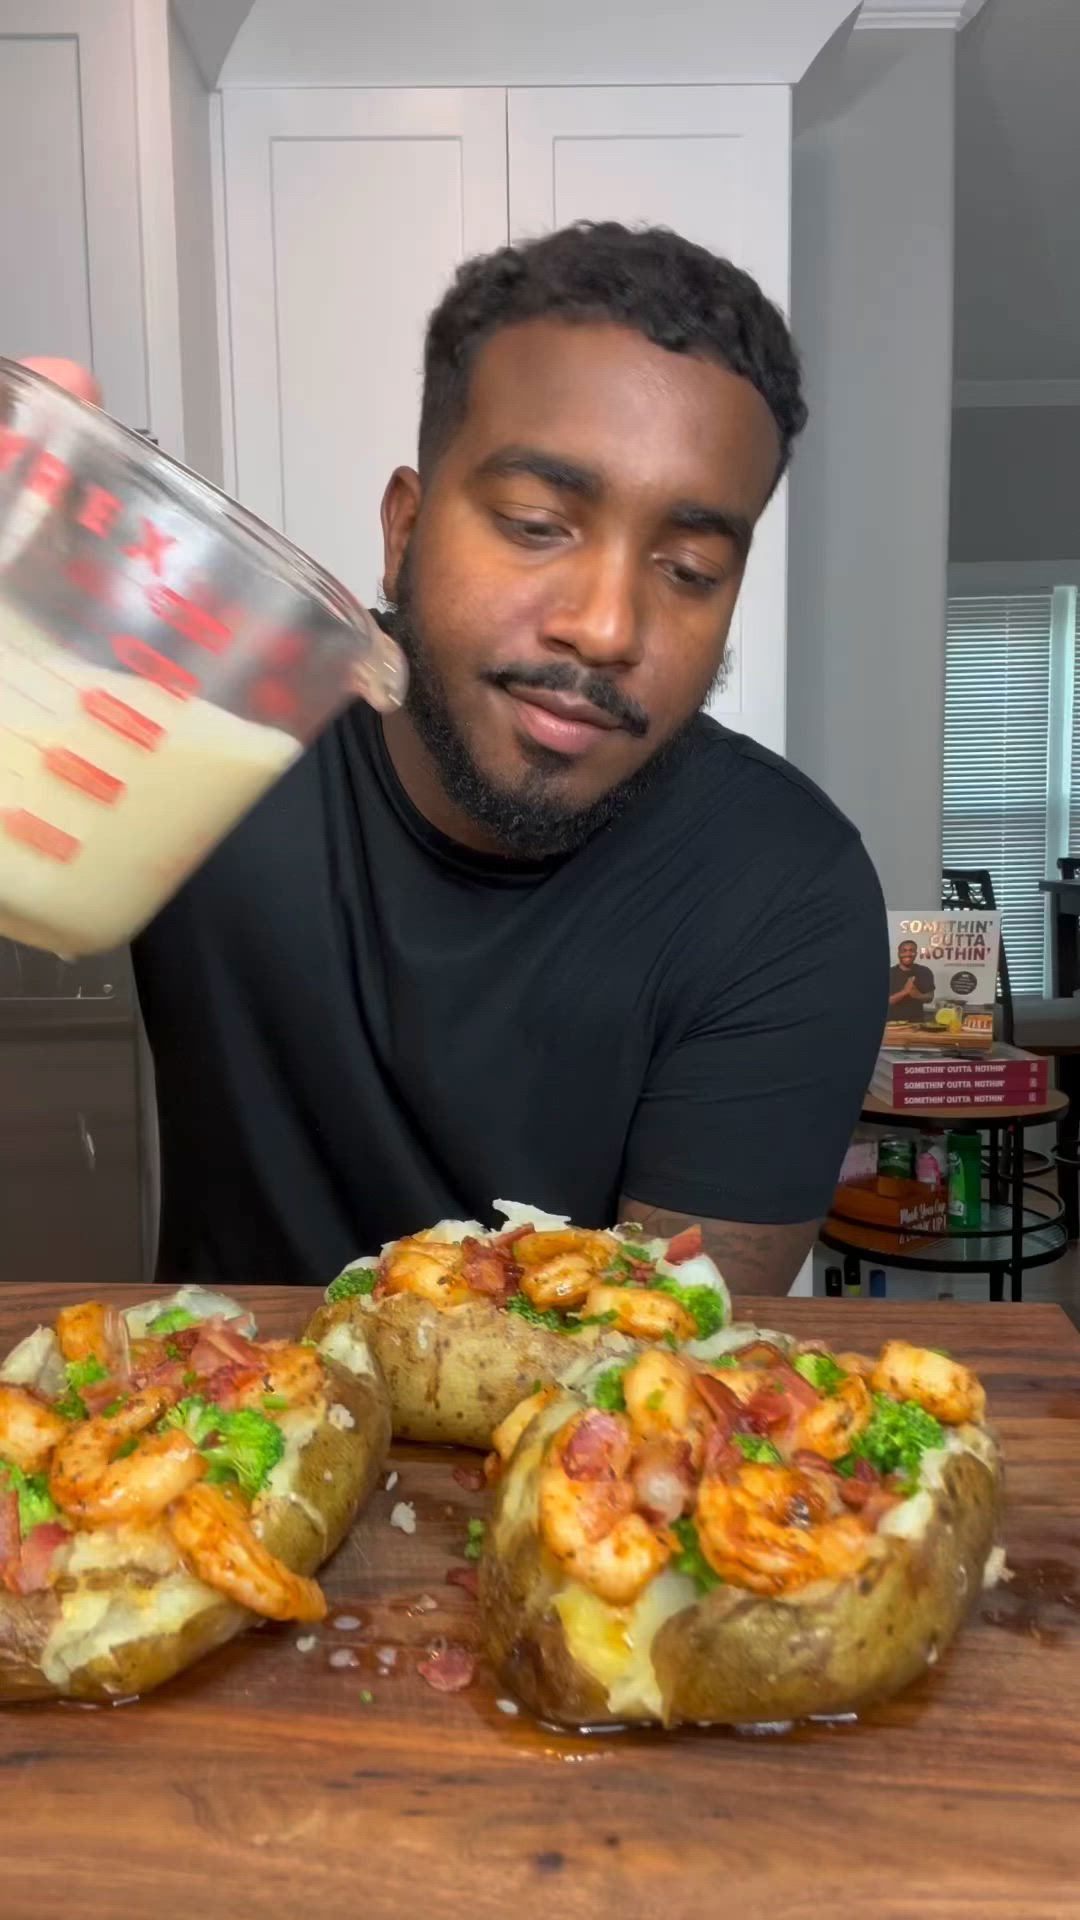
pixel 872 291
pixel 195 260
pixel 1015 483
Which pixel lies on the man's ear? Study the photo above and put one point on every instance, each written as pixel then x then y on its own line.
pixel 400 507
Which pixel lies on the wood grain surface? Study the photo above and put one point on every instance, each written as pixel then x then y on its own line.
pixel 264 1785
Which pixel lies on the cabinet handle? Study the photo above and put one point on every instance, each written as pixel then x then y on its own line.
pixel 86 1140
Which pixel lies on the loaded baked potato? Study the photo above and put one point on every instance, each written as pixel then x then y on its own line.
pixel 464 1321
pixel 165 1480
pixel 767 1536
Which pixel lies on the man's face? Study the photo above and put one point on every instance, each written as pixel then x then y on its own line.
pixel 573 569
pixel 906 955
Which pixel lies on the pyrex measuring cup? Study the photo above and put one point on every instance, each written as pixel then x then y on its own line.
pixel 164 657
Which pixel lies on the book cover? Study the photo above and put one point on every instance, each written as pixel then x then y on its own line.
pixel 942 982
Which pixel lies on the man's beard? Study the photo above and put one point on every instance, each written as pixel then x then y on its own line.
pixel 530 819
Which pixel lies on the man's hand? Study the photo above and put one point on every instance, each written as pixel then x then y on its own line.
pixel 752 1258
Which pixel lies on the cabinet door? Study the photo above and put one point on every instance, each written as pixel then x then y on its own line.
pixel 71 282
pixel 347 211
pixel 714 163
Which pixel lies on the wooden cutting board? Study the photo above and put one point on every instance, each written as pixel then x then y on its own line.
pixel 264 1785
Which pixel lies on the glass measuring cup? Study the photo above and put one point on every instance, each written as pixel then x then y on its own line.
pixel 164 657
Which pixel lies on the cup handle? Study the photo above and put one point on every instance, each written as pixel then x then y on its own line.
pixel 382 677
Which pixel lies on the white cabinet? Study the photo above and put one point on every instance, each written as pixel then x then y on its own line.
pixel 71 282
pixel 714 163
pixel 347 211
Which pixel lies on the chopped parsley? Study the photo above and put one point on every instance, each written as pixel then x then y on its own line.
pixel 31 1490
pixel 520 1304
pixel 474 1545
pixel 355 1281
pixel 690 1559
pixel 754 1446
pixel 821 1370
pixel 80 1374
pixel 655 1400
pixel 607 1390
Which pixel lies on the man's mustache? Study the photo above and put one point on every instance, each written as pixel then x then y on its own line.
pixel 563 678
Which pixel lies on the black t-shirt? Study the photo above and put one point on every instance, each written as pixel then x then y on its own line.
pixel 360 1028
pixel 910 1009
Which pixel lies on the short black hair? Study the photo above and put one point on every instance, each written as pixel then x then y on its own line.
pixel 677 294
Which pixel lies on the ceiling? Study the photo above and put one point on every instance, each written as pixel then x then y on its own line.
pixel 1018 193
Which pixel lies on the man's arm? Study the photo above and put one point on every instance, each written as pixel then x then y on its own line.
pixel 752 1258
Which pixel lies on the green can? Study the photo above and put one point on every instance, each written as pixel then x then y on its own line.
pixel 896 1158
pixel 964 1152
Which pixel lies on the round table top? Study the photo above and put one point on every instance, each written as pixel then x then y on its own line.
pixel 1044 1240
pixel 966 1118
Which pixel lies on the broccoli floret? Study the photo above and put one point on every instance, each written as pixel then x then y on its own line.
pixel 80 1374
pixel 754 1446
pixel 520 1304
pixel 607 1390
pixel 821 1370
pixel 248 1448
pixel 195 1416
pixel 896 1439
pixel 705 1305
pixel 474 1545
pixel 172 1321
pixel 691 1560
pixel 31 1490
pixel 354 1281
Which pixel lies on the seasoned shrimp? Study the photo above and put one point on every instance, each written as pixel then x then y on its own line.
pixel 536 1249
pixel 559 1268
pixel 509 1431
pixel 771 1530
pixel 213 1532
pixel 663 1403
pixel 586 1505
pixel 645 1313
pixel 287 1371
pixel 429 1268
pixel 29 1430
pixel 94 1487
pixel 831 1426
pixel 89 1331
pixel 940 1386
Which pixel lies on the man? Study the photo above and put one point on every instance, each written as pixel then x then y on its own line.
pixel 546 934
pixel 911 987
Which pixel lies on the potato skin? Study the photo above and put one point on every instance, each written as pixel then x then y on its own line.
pixel 455 1373
pixel 734 1657
pixel 353 1454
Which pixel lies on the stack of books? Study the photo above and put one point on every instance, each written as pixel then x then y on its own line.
pixel 934 1081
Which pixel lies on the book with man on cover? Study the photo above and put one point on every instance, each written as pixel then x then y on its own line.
pixel 942 981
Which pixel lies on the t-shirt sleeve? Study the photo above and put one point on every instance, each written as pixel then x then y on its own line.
pixel 746 1115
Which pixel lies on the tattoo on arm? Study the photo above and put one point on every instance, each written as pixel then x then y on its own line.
pixel 751 1257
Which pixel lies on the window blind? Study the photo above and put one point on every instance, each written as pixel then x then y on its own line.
pixel 997 750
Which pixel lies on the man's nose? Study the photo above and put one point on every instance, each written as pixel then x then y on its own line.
pixel 596 612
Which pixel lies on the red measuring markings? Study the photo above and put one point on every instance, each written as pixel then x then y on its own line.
pixel 123 719
pixel 83 774
pixel 145 660
pixel 39 834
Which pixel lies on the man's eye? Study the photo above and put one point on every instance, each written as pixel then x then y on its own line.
pixel 531 532
pixel 691 579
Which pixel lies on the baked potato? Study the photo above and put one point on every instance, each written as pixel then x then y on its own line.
pixel 768 1536
pixel 165 1481
pixel 464 1320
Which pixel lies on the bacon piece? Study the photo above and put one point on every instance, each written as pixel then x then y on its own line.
pixel 466 1577
pixel 471 1478
pixel 38 1551
pixel 684 1246
pixel 224 1387
pixel 487 1270
pixel 592 1451
pixel 449 1670
pixel 511 1238
pixel 218 1346
pixel 724 1405
pixel 663 1480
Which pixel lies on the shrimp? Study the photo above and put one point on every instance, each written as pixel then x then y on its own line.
pixel 89 1331
pixel 213 1532
pixel 770 1529
pixel 287 1371
pixel 587 1518
pixel 95 1488
pixel 831 1426
pixel 940 1386
pixel 663 1403
pixel 429 1268
pixel 509 1431
pixel 559 1268
pixel 645 1313
pixel 29 1430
